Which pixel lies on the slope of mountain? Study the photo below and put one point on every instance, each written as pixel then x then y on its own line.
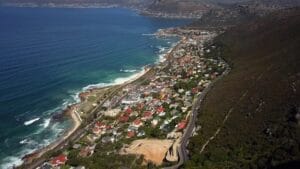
pixel 266 6
pixel 179 8
pixel 251 118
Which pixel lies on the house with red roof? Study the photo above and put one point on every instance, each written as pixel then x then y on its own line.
pixel 147 115
pixel 137 123
pixel 160 109
pixel 181 125
pixel 130 134
pixel 59 160
pixel 97 130
pixel 128 111
pixel 123 118
pixel 100 125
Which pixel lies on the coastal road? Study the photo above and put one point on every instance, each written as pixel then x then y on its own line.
pixel 182 150
pixel 63 142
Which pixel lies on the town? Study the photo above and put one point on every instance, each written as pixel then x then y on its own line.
pixel 151 113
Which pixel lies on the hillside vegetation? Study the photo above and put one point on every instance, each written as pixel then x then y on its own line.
pixel 251 118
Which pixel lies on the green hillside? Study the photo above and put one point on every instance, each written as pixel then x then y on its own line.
pixel 260 97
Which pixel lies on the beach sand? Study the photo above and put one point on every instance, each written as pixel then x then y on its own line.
pixel 163 145
pixel 72 112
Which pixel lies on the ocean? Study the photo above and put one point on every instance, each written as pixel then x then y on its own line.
pixel 49 55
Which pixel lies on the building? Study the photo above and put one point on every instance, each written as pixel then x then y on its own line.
pixel 123 118
pixel 59 160
pixel 137 123
pixel 108 139
pixel 130 134
pixel 87 151
pixel 112 112
pixel 147 115
pixel 181 125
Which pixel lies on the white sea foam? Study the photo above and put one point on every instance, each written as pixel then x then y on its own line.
pixel 10 161
pixel 163 52
pixel 99 85
pixel 23 141
pixel 46 122
pixel 128 70
pixel 29 146
pixel 29 141
pixel 29 122
pixel 148 34
pixel 161 58
pixel 162 49
pixel 117 81
pixel 133 77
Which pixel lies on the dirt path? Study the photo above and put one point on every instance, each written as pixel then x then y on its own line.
pixel 152 149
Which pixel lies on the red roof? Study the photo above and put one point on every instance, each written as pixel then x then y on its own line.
pixel 128 111
pixel 130 134
pixel 147 114
pixel 100 124
pixel 181 125
pixel 137 122
pixel 96 130
pixel 160 109
pixel 123 118
pixel 59 160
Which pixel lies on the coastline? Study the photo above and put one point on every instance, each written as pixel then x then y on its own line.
pixel 71 111
pixel 170 57
pixel 139 9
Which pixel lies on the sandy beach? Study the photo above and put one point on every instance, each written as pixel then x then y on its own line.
pixel 72 112
pixel 76 122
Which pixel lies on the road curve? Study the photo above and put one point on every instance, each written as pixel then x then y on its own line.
pixel 182 150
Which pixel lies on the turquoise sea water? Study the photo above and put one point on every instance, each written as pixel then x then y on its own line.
pixel 49 55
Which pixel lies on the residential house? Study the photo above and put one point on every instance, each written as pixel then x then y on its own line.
pixel 130 134
pixel 137 123
pixel 59 160
pixel 147 115
pixel 87 151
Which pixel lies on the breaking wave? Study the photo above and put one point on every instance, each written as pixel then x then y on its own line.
pixel 29 122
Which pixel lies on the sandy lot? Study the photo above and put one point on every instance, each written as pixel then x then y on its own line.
pixel 152 149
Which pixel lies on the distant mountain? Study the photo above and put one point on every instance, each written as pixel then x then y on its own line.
pixel 227 15
pixel 76 3
pixel 266 6
pixel 179 8
pixel 165 8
